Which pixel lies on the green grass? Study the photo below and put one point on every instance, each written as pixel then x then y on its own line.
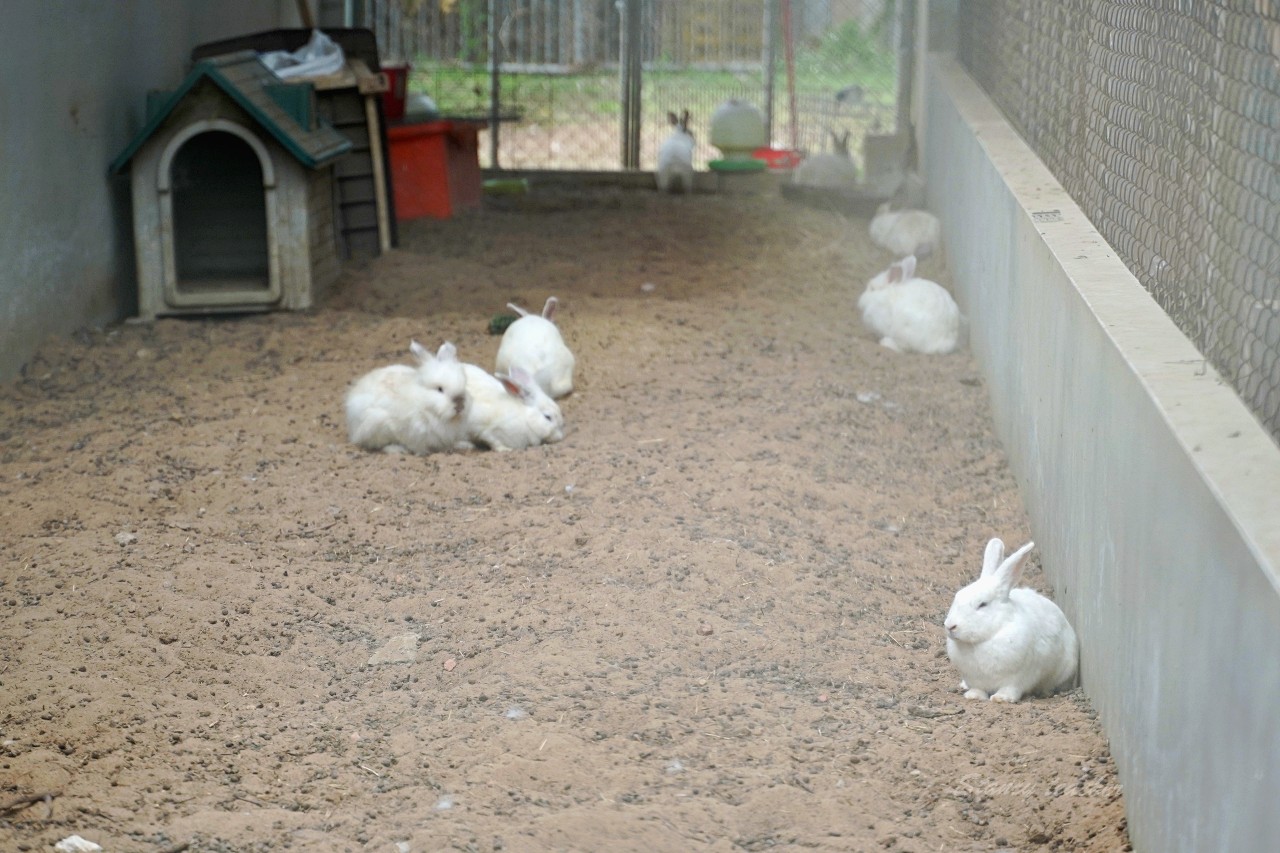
pixel 548 98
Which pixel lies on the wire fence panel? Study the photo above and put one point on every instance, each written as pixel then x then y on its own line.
pixel 1162 119
pixel 559 65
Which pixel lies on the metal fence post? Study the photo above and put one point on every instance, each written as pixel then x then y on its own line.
pixel 770 61
pixel 495 79
pixel 904 23
pixel 630 66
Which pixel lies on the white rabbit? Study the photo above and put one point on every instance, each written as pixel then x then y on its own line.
pixel 675 156
pixel 910 314
pixel 534 343
pixel 906 232
pixel 1006 642
pixel 510 412
pixel 419 410
pixel 828 171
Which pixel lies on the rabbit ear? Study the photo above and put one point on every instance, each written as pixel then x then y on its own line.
pixel 516 308
pixel 1010 571
pixel 507 382
pixel 992 558
pixel 419 351
pixel 517 381
pixel 895 273
pixel 447 352
pixel 549 310
pixel 909 267
pixel 684 119
pixel 673 119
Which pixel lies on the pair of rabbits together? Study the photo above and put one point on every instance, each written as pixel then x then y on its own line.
pixel 444 404
pixel 1006 642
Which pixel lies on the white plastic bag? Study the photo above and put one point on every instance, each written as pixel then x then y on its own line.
pixel 318 57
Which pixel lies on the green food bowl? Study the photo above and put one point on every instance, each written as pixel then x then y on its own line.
pixel 749 165
pixel 506 186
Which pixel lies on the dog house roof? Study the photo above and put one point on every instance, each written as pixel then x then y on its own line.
pixel 282 109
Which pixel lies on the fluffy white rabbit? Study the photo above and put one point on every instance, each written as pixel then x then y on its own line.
pixel 1008 643
pixel 910 314
pixel 534 343
pixel 400 409
pixel 906 232
pixel 510 412
pixel 675 156
pixel 831 171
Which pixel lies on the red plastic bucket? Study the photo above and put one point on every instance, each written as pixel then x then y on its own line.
pixel 397 87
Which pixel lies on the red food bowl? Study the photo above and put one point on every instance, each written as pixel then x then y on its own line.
pixel 778 158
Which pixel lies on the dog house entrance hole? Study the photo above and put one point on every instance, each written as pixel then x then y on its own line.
pixel 220 233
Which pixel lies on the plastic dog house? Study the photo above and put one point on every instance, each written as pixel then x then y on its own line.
pixel 233 193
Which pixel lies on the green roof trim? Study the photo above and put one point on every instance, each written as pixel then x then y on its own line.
pixel 295 99
pixel 283 110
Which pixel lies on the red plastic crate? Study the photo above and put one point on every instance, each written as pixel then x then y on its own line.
pixel 435 168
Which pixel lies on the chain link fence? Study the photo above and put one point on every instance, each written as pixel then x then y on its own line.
pixel 1162 119
pixel 548 74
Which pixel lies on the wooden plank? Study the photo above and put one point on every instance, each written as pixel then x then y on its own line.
pixel 379 174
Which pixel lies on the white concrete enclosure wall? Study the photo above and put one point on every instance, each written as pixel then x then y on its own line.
pixel 76 75
pixel 1153 494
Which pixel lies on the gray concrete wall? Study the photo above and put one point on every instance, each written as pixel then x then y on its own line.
pixel 75 74
pixel 1153 494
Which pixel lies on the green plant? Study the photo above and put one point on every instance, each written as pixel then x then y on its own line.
pixel 847 49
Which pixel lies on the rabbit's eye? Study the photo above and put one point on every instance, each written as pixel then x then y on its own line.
pixel 440 388
pixel 982 604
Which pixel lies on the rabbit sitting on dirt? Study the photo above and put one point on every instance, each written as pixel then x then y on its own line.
pixel 510 412
pixel 675 156
pixel 401 409
pixel 910 314
pixel 906 232
pixel 1006 642
pixel 832 171
pixel 534 343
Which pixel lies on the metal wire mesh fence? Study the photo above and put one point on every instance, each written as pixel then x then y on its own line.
pixel 1162 119
pixel 548 73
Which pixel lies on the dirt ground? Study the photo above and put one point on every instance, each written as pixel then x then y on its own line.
pixel 709 619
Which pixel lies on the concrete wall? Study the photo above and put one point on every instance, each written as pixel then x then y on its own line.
pixel 75 74
pixel 1153 494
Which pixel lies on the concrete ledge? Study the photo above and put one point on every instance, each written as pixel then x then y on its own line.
pixel 703 181
pixel 1153 492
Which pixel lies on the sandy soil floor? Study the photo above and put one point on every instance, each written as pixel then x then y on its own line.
pixel 707 619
